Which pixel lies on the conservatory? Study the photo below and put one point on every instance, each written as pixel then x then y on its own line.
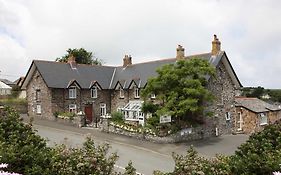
pixel 132 112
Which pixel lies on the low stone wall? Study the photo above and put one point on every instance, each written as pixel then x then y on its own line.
pixel 19 107
pixel 185 135
pixel 77 122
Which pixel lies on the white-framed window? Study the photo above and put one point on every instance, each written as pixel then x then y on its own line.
pixel 38 109
pixel 102 109
pixel 121 93
pixel 94 92
pixel 227 116
pixel 72 108
pixel 137 92
pixel 37 94
pixel 72 92
pixel 152 96
pixel 263 119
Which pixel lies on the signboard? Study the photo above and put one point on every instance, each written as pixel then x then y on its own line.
pixel 165 119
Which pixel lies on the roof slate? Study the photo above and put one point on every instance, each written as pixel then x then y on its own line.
pixel 255 105
pixel 58 75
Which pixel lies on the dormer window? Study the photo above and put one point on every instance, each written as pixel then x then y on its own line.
pixel 72 92
pixel 121 93
pixel 94 92
pixel 137 92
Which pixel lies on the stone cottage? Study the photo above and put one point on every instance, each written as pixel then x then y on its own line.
pixel 253 114
pixel 100 90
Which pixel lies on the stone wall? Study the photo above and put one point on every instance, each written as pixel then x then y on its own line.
pixel 37 83
pixel 185 135
pixel 224 91
pixel 251 120
pixel 61 100
pixel 117 102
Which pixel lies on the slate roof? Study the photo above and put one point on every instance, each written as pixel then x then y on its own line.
pixel 59 75
pixel 254 104
pixel 139 73
pixel 7 82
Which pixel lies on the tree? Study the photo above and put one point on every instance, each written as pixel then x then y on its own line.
pixel 20 147
pixel 181 88
pixel 82 57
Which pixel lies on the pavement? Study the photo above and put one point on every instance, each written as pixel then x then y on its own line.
pixel 226 144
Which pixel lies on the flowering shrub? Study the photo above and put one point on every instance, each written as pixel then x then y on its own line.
pixel 261 154
pixel 4 165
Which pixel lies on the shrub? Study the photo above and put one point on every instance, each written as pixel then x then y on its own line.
pixel 117 117
pixel 20 147
pixel 261 154
pixel 90 159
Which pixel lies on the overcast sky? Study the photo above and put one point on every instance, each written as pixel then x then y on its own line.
pixel 249 30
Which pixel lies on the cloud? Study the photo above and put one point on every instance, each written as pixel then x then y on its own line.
pixel 147 30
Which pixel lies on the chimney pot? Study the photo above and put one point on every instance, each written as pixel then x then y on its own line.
pixel 216 46
pixel 180 52
pixel 71 60
pixel 127 60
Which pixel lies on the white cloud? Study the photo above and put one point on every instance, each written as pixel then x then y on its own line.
pixel 249 31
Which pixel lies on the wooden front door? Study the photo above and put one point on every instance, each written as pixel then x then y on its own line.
pixel 89 113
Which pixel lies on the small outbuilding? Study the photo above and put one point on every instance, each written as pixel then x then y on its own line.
pixel 252 114
pixel 5 89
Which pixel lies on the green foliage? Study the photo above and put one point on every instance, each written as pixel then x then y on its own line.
pixel 82 56
pixel 261 154
pixel 129 169
pixel 117 117
pixel 90 159
pixel 253 91
pixel 181 87
pixel 20 147
pixel 65 115
pixel 15 91
pixel 275 95
pixel 193 164
pixel 149 107
pixel 13 101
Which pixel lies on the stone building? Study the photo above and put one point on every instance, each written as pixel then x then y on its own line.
pixel 253 114
pixel 100 90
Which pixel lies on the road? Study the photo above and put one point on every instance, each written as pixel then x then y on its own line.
pixel 144 160
pixel 146 156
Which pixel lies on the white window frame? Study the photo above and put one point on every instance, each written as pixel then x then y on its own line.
pixel 263 119
pixel 152 96
pixel 72 108
pixel 94 92
pixel 72 92
pixel 38 109
pixel 37 94
pixel 137 92
pixel 102 109
pixel 121 92
pixel 227 116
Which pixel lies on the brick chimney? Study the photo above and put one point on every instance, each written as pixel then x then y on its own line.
pixel 127 60
pixel 72 62
pixel 180 52
pixel 216 46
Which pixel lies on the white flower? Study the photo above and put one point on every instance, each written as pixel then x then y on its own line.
pixel 276 173
pixel 3 165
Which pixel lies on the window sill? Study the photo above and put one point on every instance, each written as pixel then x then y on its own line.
pixel 262 124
